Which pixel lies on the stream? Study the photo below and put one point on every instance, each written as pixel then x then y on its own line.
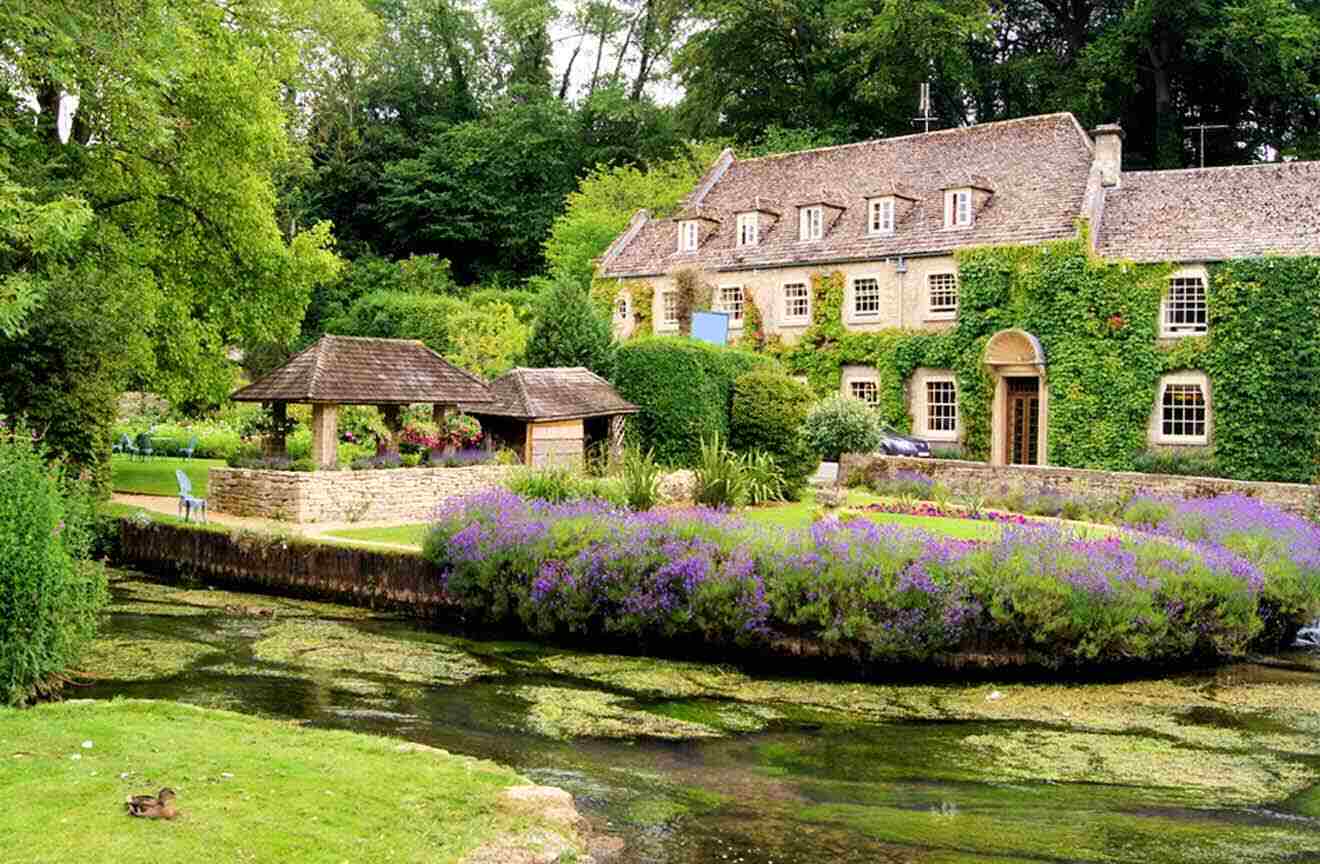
pixel 695 763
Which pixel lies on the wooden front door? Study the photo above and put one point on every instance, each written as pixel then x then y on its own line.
pixel 1023 420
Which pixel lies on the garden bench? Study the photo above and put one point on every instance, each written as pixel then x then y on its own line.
pixel 187 501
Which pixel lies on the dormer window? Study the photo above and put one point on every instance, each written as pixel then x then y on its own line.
pixel 749 229
pixel 881 216
pixel 958 208
pixel 811 223
pixel 689 235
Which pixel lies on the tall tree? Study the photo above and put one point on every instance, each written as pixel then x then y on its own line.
pixel 172 148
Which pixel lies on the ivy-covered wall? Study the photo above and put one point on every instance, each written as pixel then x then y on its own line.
pixel 1098 322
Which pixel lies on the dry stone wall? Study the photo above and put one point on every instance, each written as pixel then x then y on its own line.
pixel 403 494
pixel 960 476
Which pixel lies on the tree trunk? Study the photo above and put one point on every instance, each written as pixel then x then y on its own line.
pixel 1167 147
pixel 48 102
pixel 600 54
pixel 568 71
pixel 646 49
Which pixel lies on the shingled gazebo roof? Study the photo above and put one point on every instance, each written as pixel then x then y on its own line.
pixel 350 370
pixel 558 393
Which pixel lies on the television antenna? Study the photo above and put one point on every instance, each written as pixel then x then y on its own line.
pixel 1201 127
pixel 924 107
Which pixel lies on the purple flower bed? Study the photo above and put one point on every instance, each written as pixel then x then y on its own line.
pixel 857 588
pixel 1285 548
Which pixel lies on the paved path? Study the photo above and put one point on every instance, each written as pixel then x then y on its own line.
pixel 170 507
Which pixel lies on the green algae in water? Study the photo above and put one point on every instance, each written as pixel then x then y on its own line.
pixel 124 658
pixel 336 647
pixel 132 593
pixel 565 712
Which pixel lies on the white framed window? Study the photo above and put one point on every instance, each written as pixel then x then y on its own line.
pixel 865 390
pixel 621 307
pixel 1184 311
pixel 689 235
pixel 730 299
pixel 941 408
pixel 866 297
pixel 942 295
pixel 749 229
pixel 881 219
pixel 797 302
pixel 811 223
pixel 1183 411
pixel 669 308
pixel 958 208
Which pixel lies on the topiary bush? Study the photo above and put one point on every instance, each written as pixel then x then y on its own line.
pixel 50 593
pixel 840 425
pixel 769 412
pixel 571 329
pixel 684 389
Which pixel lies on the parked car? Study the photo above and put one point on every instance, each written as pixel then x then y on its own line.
pixel 895 443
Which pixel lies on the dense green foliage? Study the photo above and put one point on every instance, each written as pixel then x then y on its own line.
pixel 838 425
pixel 721 481
pixel 571 330
pixel 769 412
pixel 684 389
pixel 50 594
pixel 1097 321
pixel 562 484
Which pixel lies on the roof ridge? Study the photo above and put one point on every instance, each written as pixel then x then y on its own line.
pixel 1224 168
pixel 317 366
pixel 522 394
pixel 950 131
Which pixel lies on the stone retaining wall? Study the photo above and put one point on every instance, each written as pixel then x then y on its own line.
pixel 404 494
pixel 960 476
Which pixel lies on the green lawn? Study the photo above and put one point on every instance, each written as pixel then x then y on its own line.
pixel 407 535
pixel 797 515
pixel 156 476
pixel 249 789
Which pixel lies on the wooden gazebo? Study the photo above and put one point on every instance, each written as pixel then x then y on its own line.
pixel 550 416
pixel 349 370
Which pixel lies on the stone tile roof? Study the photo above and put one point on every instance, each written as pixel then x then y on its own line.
pixel 558 393
pixel 1213 214
pixel 1037 166
pixel 348 370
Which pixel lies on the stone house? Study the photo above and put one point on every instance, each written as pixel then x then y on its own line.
pixel 890 214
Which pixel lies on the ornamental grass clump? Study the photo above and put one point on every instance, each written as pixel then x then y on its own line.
pixel 853 587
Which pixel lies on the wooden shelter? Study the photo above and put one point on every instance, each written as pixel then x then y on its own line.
pixel 550 416
pixel 350 370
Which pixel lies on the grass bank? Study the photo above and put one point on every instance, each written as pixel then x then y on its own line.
pixel 250 789
pixel 156 476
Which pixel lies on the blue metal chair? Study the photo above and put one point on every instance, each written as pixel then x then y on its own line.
pixel 188 503
pixel 124 445
pixel 187 452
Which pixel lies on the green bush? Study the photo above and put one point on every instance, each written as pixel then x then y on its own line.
pixel 560 485
pixel 840 425
pixel 721 476
pixel 571 330
pixel 684 389
pixel 50 594
pixel 769 412
pixel 401 315
pixel 1192 463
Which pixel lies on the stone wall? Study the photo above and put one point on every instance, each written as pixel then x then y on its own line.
pixel 403 494
pixel 960 476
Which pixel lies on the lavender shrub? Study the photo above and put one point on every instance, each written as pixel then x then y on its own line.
pixel 858 588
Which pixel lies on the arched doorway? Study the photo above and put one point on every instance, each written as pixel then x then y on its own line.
pixel 1019 413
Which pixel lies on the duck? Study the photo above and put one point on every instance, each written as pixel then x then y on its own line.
pixel 159 806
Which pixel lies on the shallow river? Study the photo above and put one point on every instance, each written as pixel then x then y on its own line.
pixel 702 764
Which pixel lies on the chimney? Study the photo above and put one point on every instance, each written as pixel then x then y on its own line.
pixel 1109 153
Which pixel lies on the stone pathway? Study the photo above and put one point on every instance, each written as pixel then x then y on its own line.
pixel 169 506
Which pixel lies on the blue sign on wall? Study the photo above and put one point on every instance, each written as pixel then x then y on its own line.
pixel 712 327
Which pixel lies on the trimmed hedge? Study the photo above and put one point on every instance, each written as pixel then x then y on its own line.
pixel 769 410
pixel 50 594
pixel 684 389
